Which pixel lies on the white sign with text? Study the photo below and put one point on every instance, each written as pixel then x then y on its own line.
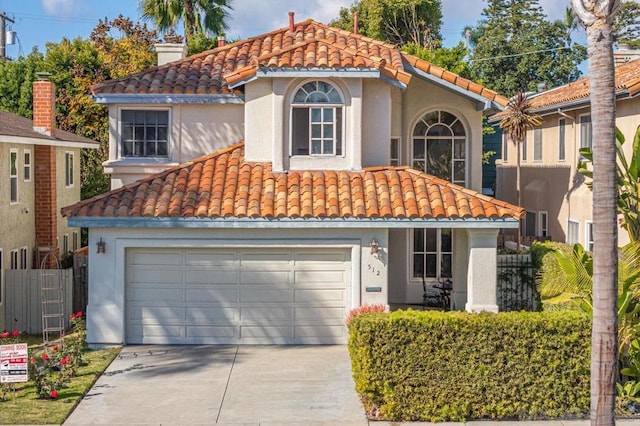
pixel 13 363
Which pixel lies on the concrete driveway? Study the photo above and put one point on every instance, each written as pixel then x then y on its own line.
pixel 229 385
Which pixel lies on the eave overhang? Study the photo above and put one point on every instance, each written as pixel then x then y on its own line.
pixel 166 98
pixel 289 223
pixel 22 140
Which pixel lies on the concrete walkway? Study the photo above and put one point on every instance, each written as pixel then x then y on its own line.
pixel 238 386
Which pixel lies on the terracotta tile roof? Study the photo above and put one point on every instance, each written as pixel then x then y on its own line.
pixel 311 45
pixel 224 185
pixel 627 77
pixel 15 125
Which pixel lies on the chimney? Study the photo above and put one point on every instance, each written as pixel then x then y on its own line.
pixel 291 18
pixel 356 22
pixel 46 208
pixel 170 52
pixel 44 104
pixel 221 41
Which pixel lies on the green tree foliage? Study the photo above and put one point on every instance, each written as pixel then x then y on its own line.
pixel 451 59
pixel 16 83
pixel 397 21
pixel 196 16
pixel 626 24
pixel 517 47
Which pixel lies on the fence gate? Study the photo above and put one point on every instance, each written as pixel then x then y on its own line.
pixel 516 283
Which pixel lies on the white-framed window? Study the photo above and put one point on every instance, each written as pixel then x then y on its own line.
pixel 573 232
pixel 317 112
pixel 529 224
pixel 439 146
pixel 586 132
pixel 24 258
pixel 144 133
pixel 26 165
pixel 588 235
pixel 562 123
pixel 524 149
pixel 65 243
pixel 505 147
pixel 68 168
pixel 14 259
pixel 394 152
pixel 537 144
pixel 432 253
pixel 75 243
pixel 13 175
pixel 543 224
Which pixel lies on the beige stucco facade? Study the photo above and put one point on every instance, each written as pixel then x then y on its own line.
pixel 553 185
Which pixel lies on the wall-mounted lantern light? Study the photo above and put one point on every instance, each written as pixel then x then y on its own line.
pixel 101 246
pixel 374 246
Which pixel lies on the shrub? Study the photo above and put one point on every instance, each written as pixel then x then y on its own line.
pixel 364 309
pixel 436 366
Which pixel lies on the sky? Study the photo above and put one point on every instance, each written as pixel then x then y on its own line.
pixel 40 21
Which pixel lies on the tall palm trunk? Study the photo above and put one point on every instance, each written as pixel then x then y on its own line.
pixel 518 192
pixel 597 16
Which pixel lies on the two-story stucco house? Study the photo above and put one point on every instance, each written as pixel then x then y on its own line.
pixel 40 170
pixel 264 188
pixel 558 204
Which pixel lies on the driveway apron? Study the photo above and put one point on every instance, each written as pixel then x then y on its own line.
pixel 233 385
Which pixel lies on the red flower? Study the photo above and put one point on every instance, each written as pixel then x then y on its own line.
pixel 33 360
pixel 55 348
pixel 53 394
pixel 16 333
pixel 4 335
pixel 79 314
pixel 65 360
pixel 73 316
pixel 45 357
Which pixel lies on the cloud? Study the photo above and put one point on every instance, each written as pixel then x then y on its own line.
pixel 59 7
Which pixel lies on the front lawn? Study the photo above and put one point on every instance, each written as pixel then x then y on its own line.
pixel 26 408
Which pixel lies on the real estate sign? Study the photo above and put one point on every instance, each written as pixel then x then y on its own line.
pixel 13 363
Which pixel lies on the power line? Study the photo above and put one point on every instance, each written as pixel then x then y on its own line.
pixel 520 54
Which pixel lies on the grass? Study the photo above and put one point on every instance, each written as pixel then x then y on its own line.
pixel 26 408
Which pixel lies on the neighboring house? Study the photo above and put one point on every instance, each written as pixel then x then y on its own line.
pixel 558 204
pixel 275 192
pixel 40 168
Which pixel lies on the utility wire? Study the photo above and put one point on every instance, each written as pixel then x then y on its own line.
pixel 520 54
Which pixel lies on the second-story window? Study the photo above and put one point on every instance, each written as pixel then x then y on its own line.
pixel 69 166
pixel 585 132
pixel 27 165
pixel 561 139
pixel 316 120
pixel 13 175
pixel 394 152
pixel 537 144
pixel 439 146
pixel 144 133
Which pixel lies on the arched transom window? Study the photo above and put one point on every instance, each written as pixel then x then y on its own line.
pixel 439 146
pixel 316 120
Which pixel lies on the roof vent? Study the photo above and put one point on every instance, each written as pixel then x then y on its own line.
pixel 542 86
pixel 356 22
pixel 291 18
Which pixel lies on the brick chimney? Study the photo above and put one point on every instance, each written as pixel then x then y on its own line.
pixel 46 209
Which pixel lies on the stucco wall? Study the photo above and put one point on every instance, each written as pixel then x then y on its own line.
pixel 67 195
pixel 376 123
pixel 105 312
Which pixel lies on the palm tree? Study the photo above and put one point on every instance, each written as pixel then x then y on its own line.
pixel 597 17
pixel 197 16
pixel 518 119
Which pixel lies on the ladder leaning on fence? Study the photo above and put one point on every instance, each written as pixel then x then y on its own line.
pixel 52 295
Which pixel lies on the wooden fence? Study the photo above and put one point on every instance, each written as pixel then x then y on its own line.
pixel 23 301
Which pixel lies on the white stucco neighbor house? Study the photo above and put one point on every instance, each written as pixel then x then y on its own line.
pixel 263 189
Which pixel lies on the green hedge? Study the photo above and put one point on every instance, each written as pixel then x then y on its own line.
pixel 453 366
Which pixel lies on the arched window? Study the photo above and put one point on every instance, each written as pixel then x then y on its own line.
pixel 316 120
pixel 439 146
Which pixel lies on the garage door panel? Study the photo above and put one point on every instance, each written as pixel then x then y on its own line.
pixel 211 315
pixel 216 295
pixel 255 294
pixel 155 257
pixel 208 332
pixel 154 276
pixel 157 314
pixel 258 295
pixel 224 276
pixel 264 276
pixel 211 258
pixel 324 315
pixel 320 295
pixel 320 331
pixel 155 294
pixel 260 315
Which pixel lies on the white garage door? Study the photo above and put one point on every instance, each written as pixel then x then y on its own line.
pixel 292 296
